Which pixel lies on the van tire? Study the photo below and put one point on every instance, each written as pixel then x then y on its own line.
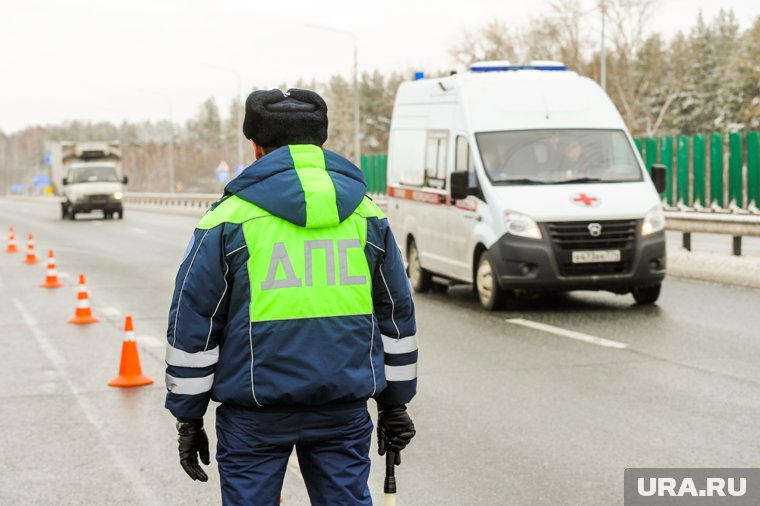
pixel 644 295
pixel 420 279
pixel 490 293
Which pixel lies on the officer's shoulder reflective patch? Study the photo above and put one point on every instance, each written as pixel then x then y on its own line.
pixel 189 247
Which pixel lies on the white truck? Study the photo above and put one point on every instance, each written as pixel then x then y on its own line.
pixel 88 176
pixel 522 178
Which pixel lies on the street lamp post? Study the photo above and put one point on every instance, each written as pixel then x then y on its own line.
pixel 357 128
pixel 603 52
pixel 172 183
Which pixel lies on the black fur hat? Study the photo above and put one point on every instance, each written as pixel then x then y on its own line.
pixel 274 119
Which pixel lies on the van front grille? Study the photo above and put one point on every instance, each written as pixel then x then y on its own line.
pixel 567 237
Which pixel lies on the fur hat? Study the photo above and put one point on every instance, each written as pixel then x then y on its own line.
pixel 274 119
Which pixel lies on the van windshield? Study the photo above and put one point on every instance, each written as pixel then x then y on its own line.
pixel 558 157
pixel 93 174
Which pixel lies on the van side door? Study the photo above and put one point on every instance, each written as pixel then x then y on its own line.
pixel 463 214
pixel 432 204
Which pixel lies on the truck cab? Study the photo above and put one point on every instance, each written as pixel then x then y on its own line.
pixel 93 186
pixel 90 178
pixel 521 178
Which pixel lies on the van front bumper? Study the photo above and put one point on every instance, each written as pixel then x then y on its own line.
pixel 537 265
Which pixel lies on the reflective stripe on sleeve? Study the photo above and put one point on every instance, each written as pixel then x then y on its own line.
pixel 179 358
pixel 401 372
pixel 189 386
pixel 404 345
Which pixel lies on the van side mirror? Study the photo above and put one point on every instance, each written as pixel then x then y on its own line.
pixel 65 181
pixel 125 180
pixel 460 188
pixel 660 177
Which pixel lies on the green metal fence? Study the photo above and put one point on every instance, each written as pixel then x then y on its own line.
pixel 374 168
pixel 721 170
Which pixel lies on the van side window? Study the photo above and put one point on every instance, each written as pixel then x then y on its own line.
pixel 435 158
pixel 464 160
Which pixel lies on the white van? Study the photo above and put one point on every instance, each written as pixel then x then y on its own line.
pixel 521 179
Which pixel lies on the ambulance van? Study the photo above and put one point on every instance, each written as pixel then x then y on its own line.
pixel 522 179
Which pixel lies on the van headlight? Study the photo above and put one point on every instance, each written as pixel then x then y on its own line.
pixel 654 221
pixel 118 195
pixel 521 225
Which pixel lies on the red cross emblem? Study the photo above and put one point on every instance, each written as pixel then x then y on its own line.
pixel 586 200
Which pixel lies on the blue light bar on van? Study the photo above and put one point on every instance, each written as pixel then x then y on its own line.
pixel 507 67
pixel 419 75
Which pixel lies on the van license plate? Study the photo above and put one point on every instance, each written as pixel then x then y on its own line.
pixel 592 257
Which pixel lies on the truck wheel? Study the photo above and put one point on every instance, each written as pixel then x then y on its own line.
pixel 646 294
pixel 420 278
pixel 72 214
pixel 107 215
pixel 121 214
pixel 490 293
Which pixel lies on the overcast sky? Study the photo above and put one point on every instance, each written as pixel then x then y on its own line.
pixel 115 60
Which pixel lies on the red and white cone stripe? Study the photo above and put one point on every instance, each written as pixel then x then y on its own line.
pixel 51 279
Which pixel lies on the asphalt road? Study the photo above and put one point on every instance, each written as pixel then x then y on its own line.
pixel 507 414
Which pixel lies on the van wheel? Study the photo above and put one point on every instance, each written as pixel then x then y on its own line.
pixel 490 293
pixel 64 211
pixel 420 279
pixel 646 294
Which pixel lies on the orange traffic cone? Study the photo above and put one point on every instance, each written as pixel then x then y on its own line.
pixel 11 242
pixel 31 255
pixel 51 280
pixel 130 372
pixel 83 313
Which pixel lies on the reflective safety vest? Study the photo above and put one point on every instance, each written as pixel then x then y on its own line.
pixel 292 293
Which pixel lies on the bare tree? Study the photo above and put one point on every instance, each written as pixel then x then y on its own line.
pixel 493 42
pixel 562 35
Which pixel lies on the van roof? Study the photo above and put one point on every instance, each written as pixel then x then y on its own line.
pixel 517 99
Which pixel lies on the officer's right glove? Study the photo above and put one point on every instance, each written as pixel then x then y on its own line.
pixel 394 429
pixel 192 442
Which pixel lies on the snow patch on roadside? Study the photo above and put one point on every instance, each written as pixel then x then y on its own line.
pixel 715 267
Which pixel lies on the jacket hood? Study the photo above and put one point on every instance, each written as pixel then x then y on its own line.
pixel 303 184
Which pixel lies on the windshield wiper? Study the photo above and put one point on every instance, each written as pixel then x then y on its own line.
pixel 581 180
pixel 520 181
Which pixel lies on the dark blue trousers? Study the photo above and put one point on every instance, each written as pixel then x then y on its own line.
pixel 332 447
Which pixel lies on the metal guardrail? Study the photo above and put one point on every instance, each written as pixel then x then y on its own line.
pixel 735 224
pixel 172 201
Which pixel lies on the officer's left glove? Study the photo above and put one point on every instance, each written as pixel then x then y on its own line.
pixel 394 429
pixel 193 442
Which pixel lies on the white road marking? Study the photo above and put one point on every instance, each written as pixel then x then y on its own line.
pixel 64 275
pixel 128 469
pixel 151 342
pixel 599 341
pixel 110 311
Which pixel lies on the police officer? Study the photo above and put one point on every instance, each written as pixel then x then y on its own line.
pixel 291 309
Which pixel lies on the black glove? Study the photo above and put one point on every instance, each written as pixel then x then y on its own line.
pixel 394 429
pixel 193 441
